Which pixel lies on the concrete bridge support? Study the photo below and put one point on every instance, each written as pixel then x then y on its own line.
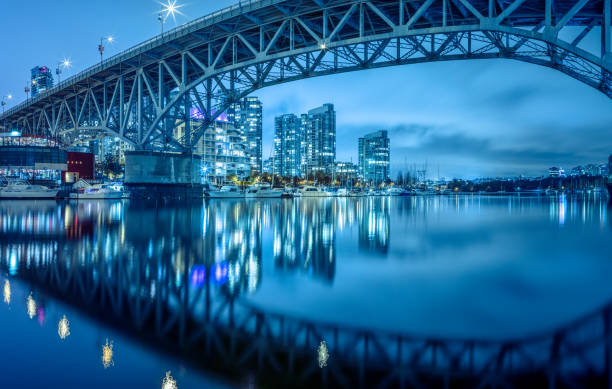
pixel 163 176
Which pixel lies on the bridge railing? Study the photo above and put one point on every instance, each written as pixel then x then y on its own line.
pixel 170 35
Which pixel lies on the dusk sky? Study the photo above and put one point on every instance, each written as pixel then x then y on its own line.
pixel 467 118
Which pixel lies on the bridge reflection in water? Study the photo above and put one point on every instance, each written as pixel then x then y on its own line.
pixel 174 277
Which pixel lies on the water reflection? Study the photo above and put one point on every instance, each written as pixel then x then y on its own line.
pixel 7 292
pixel 31 306
pixel 221 241
pixel 63 328
pixel 177 256
pixel 107 355
pixel 304 239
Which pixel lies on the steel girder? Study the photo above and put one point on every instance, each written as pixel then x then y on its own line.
pixel 143 98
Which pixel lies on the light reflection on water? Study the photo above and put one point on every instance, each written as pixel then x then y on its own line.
pixel 322 259
pixel 460 266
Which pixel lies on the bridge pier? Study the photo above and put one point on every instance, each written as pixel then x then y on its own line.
pixel 163 176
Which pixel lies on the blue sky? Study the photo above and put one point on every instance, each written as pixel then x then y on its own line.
pixel 464 118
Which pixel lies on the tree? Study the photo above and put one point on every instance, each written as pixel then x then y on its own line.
pixel 110 167
pixel 400 179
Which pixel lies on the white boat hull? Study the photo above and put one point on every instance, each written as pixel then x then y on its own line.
pixel 28 195
pixel 315 194
pixel 97 196
pixel 275 195
pixel 225 195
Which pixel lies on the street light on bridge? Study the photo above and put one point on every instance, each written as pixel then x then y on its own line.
pixel 65 64
pixel 108 39
pixel 170 8
pixel 4 99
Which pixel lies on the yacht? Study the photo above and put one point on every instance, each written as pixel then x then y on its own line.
pixel 342 192
pixel 313 191
pixel 264 191
pixel 85 191
pixel 395 191
pixel 23 190
pixel 226 192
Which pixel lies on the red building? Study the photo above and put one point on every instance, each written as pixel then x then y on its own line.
pixel 80 165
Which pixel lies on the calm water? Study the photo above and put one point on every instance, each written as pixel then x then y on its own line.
pixel 447 267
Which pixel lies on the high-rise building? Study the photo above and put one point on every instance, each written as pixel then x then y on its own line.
pixel 288 145
pixel 222 148
pixel 320 139
pixel 247 115
pixel 374 157
pixel 42 79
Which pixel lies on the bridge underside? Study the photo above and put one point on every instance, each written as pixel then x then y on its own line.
pixel 188 77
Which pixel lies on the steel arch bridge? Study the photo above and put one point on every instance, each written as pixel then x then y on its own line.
pixel 143 94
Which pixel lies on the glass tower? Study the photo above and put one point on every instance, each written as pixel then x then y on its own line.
pixel 247 115
pixel 374 157
pixel 320 139
pixel 42 79
pixel 288 146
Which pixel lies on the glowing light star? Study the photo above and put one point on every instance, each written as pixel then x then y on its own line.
pixel 323 354
pixel 31 304
pixel 7 292
pixel 171 8
pixel 168 382
pixel 107 355
pixel 66 63
pixel 63 328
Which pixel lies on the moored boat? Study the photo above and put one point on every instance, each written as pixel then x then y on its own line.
pixel 85 191
pixel 264 191
pixel 313 191
pixel 23 190
pixel 226 192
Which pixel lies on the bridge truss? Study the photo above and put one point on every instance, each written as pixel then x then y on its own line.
pixel 189 76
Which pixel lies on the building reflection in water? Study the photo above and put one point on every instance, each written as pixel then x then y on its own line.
pixel 374 224
pixel 304 238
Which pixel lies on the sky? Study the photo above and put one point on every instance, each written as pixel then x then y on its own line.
pixel 460 118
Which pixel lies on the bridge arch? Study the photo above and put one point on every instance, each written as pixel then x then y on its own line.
pixel 144 94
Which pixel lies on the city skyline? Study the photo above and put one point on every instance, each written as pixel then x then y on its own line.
pixel 470 118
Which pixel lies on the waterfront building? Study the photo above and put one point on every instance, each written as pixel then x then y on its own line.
pixel 346 172
pixel 34 159
pixel 222 148
pixel 374 157
pixel 42 79
pixel 247 115
pixel 288 145
pixel 319 145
